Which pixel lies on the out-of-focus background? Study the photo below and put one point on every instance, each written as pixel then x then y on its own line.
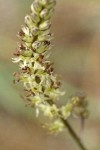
pixel 76 54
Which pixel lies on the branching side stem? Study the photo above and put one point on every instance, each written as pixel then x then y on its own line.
pixel 72 132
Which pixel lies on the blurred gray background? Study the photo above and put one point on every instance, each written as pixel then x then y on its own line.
pixel 76 54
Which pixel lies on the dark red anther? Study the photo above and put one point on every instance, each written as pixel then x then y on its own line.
pixel 47 42
pixel 21 33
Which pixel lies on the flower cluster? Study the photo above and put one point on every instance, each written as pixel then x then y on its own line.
pixel 41 85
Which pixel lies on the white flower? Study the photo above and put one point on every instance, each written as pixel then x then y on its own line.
pixel 16 59
pixel 49 111
pixel 54 94
pixel 27 62
pixel 23 64
pixel 56 127
pixel 36 100
pixel 38 66
pixel 66 110
pixel 37 112
pixel 26 30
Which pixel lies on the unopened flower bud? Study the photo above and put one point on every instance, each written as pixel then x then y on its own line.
pixel 29 22
pixel 44 13
pixel 45 25
pixel 34 31
pixel 28 44
pixel 40 47
pixel 47 37
pixel 51 5
pixel 35 18
pixel 35 7
pixel 43 2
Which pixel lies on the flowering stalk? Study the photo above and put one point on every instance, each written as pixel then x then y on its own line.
pixel 41 85
pixel 36 72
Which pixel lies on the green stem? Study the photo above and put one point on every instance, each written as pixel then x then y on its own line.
pixel 74 135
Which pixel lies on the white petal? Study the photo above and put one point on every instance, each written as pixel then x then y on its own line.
pixel 16 60
pixel 37 112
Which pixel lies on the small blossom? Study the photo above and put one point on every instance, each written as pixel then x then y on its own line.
pixel 49 111
pixel 56 127
pixel 16 60
pixel 80 105
pixel 66 110
pixel 36 100
pixel 45 25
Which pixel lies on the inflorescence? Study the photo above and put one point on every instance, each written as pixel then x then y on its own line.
pixel 41 85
